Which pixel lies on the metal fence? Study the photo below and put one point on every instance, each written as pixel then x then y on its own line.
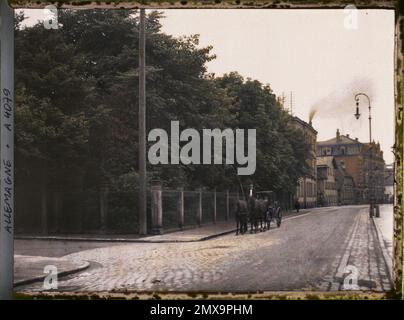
pixel 118 212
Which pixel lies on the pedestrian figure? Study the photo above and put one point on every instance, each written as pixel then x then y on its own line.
pixel 297 205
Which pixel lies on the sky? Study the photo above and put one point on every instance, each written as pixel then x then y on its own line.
pixel 310 53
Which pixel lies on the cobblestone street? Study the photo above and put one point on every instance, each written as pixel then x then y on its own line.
pixel 311 251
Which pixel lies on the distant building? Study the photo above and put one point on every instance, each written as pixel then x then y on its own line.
pixel 306 192
pixel 358 159
pixel 327 194
pixel 345 184
pixel 389 183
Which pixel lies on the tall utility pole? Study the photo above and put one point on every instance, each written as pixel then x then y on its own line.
pixel 142 126
pixel 371 195
pixel 7 151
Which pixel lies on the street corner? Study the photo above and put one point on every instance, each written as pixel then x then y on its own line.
pixel 34 269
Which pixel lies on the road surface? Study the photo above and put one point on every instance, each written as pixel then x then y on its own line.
pixel 334 248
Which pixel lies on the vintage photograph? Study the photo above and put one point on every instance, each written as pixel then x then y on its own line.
pixel 201 150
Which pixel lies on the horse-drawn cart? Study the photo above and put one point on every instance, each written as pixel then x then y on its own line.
pixel 260 210
pixel 273 212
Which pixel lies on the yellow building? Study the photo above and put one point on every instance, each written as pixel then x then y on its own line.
pixel 364 162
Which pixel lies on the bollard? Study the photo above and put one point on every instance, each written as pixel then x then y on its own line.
pixel 156 209
pixel 180 208
pixel 377 211
pixel 371 211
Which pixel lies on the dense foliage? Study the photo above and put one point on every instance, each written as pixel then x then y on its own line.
pixel 77 107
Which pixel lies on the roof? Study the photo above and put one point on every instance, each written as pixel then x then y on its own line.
pixel 341 140
pixel 305 124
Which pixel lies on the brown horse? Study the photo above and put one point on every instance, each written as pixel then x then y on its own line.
pixel 259 214
pixel 242 213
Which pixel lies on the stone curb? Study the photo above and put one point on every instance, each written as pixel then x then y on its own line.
pixel 386 256
pixel 82 267
pixel 143 240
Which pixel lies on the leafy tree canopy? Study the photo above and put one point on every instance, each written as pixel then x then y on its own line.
pixel 77 106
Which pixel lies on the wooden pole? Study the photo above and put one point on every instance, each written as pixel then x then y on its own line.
pixel 142 126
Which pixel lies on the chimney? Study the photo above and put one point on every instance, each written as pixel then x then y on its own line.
pixel 338 134
pixel 356 139
pixel 347 135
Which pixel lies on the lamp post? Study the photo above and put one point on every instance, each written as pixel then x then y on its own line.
pixel 370 174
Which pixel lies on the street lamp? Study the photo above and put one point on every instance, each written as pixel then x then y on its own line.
pixel 357 116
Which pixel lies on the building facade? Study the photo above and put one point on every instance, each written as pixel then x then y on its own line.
pixel 306 192
pixel 389 183
pixel 362 161
pixel 327 194
pixel 345 184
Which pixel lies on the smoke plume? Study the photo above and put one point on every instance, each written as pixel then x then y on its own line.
pixel 341 103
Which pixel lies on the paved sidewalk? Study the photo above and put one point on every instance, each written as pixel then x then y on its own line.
pixel 201 233
pixel 29 269
pixel 384 225
pixel 195 234
pixel 384 229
